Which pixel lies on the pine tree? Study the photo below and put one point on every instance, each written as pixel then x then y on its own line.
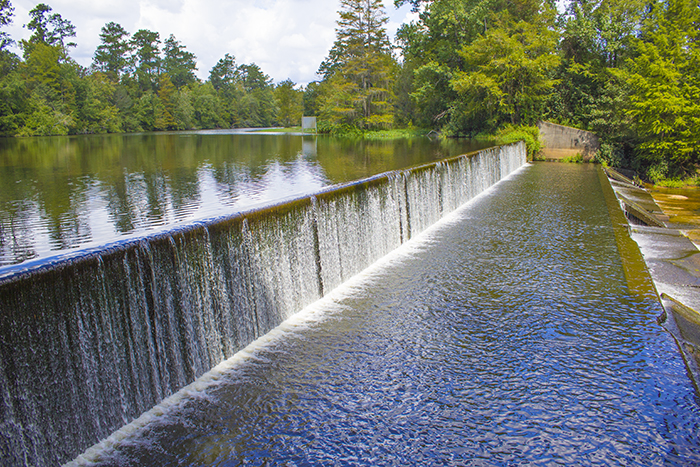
pixel 6 12
pixel 358 72
pixel 225 73
pixel 178 63
pixel 48 29
pixel 225 78
pixel 111 56
pixel 146 48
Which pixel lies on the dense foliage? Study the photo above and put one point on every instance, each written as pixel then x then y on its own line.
pixel 626 70
pixel 663 78
pixel 137 82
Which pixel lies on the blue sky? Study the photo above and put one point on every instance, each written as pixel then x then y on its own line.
pixel 286 38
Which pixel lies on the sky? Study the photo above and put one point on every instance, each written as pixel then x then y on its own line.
pixel 286 38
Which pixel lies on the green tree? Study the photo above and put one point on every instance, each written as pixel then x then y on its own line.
pixel 664 75
pixel 445 26
pixel 225 77
pixel 164 116
pixel 430 49
pixel 311 101
pixel 252 77
pixel 56 93
pixel 433 51
pixel 178 63
pixel 146 109
pixel 112 55
pixel 48 29
pixel 12 89
pixel 43 120
pixel 126 98
pixel 6 12
pixel 256 104
pixel 14 97
pixel 146 56
pixel 43 66
pixel 97 112
pixel 595 39
pixel 289 103
pixel 225 73
pixel 206 105
pixel 184 111
pixel 415 3
pixel 507 77
pixel 358 71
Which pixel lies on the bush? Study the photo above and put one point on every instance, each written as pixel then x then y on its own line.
pixel 609 155
pixel 339 130
pixel 657 172
pixel 530 134
pixel 576 159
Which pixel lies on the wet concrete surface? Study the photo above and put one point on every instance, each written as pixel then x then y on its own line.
pixel 673 262
pixel 668 235
pixel 682 206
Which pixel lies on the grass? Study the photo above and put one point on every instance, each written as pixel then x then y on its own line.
pixel 576 159
pixel 293 129
pixel 530 134
pixel 394 134
pixel 400 133
pixel 690 182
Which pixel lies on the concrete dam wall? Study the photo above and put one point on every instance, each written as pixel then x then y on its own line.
pixel 563 141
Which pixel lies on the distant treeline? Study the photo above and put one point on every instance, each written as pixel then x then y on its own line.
pixel 137 82
pixel 626 70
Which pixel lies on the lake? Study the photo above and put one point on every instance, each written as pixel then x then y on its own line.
pixel 60 194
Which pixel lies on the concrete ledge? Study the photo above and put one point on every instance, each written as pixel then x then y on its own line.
pixel 673 262
pixel 637 212
pixel 686 322
pixel 615 175
pixel 687 319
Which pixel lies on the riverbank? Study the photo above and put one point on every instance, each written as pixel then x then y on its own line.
pixel 398 133
pixel 508 134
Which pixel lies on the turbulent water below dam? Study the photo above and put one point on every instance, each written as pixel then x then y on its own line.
pixel 505 334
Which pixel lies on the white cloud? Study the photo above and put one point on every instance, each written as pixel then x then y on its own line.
pixel 286 38
pixel 172 6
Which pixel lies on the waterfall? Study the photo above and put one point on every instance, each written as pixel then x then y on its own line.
pixel 89 343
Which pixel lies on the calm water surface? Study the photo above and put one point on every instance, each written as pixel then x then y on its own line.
pixel 506 336
pixel 63 193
